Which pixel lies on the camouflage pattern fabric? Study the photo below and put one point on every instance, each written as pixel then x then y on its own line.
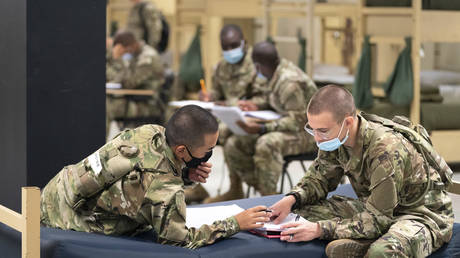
pixel 149 194
pixel 258 160
pixel 144 71
pixel 386 172
pixel 232 82
pixel 152 18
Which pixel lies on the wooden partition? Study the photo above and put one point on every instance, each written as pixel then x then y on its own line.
pixel 28 222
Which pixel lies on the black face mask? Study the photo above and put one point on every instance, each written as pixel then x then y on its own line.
pixel 195 162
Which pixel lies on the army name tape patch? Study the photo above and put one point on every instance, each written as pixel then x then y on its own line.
pixel 95 162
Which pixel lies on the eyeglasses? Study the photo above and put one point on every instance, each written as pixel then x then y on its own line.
pixel 323 135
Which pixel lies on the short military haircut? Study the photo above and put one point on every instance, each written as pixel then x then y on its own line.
pixel 188 126
pixel 125 38
pixel 231 27
pixel 265 53
pixel 334 99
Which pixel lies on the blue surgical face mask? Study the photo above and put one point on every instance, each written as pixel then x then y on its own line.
pixel 235 55
pixel 127 56
pixel 333 144
pixel 261 76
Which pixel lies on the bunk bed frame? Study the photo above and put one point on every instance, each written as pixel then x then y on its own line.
pixel 276 9
pixel 28 223
pixel 427 26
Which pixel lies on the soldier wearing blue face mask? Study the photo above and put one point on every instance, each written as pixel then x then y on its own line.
pixel 402 209
pixel 234 78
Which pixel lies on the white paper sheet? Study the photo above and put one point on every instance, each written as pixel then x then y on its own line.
pixel 113 85
pixel 181 103
pixel 263 114
pixel 196 217
pixel 230 115
pixel 270 226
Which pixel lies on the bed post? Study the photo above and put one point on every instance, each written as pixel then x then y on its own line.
pixel 31 216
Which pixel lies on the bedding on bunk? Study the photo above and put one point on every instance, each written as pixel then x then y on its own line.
pixel 433 116
pixel 426 4
pixel 57 243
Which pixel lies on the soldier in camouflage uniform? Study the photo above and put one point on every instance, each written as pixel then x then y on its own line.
pixel 258 158
pixel 136 182
pixel 134 65
pixel 152 19
pixel 398 213
pixel 234 78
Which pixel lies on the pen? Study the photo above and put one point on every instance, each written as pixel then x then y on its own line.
pixel 203 87
pixel 296 219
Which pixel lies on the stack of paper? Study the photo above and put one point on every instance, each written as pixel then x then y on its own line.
pixel 263 115
pixel 270 226
pixel 181 103
pixel 113 85
pixel 196 217
pixel 230 115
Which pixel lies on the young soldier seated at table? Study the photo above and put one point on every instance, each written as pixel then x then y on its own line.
pixel 402 209
pixel 234 78
pixel 135 65
pixel 136 182
pixel 258 158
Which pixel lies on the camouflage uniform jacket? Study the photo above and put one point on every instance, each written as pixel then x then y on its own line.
pixel 144 71
pixel 150 195
pixel 386 171
pixel 152 18
pixel 232 82
pixel 291 90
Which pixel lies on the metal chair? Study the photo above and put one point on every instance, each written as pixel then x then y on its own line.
pixel 287 160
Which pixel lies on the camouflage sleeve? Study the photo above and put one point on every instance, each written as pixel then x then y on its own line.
pixel 168 221
pixel 386 170
pixel 145 68
pixel 322 177
pixel 216 89
pixel 113 68
pixel 293 101
pixel 153 23
pixel 260 93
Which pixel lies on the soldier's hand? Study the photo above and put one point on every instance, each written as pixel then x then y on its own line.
pixel 250 127
pixel 247 105
pixel 117 51
pixel 204 96
pixel 282 208
pixel 201 173
pixel 254 217
pixel 300 231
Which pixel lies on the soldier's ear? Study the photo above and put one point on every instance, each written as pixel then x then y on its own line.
pixel 180 151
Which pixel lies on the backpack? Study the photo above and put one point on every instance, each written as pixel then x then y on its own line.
pixel 418 136
pixel 163 43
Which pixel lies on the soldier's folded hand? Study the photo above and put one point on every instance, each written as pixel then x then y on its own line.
pixel 247 105
pixel 254 217
pixel 201 173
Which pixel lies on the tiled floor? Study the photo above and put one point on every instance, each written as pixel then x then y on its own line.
pixel 219 182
